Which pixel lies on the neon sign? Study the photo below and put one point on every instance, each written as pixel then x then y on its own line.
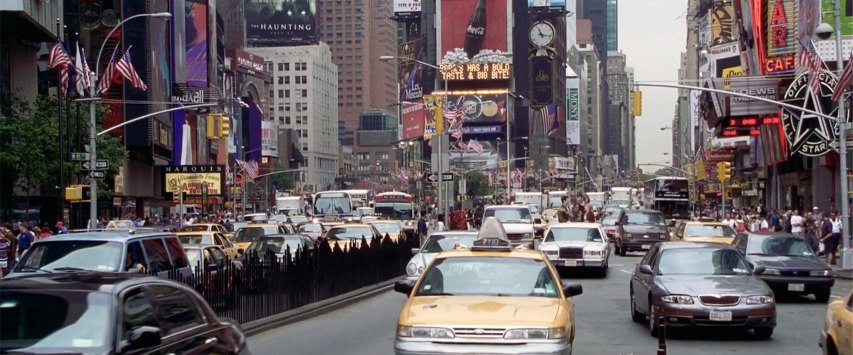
pixel 785 64
pixel 778 26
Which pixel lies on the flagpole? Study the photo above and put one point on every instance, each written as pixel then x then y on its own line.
pixel 61 193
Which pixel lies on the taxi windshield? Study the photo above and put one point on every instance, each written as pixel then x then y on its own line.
pixel 193 228
pixel 441 242
pixel 488 276
pixel 708 230
pixel 778 246
pixel 702 261
pixel 573 235
pixel 509 215
pixel 196 239
pixel 250 234
pixel 54 321
pixel 346 233
pixel 387 227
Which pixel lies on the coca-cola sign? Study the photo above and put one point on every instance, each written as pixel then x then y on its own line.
pixel 472 27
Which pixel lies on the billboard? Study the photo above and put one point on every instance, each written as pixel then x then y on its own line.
pixel 722 20
pixel 781 28
pixel 407 6
pixel 191 178
pixel 269 139
pixel 413 120
pixel 486 156
pixel 573 123
pixel 433 116
pixel 470 26
pixel 276 23
pixel 759 86
pixel 196 32
pixel 554 4
pixel 479 108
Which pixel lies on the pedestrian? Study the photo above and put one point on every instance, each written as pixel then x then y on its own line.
pixel 831 238
pixel 439 223
pixel 458 218
pixel 45 232
pixel 60 228
pixel 590 215
pixel 811 230
pixel 5 247
pixel 796 223
pixel 563 212
pixel 423 229
pixel 25 238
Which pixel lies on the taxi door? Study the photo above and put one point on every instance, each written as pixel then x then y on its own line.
pixel 842 326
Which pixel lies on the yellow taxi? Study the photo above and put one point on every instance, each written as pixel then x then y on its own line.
pixel 836 338
pixel 207 227
pixel 350 234
pixel 708 232
pixel 386 226
pixel 487 299
pixel 209 238
pixel 250 232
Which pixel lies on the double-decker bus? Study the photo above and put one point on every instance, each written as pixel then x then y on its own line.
pixel 670 195
pixel 333 205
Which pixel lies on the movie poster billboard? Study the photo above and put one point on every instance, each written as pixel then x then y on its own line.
pixel 416 80
pixel 479 108
pixel 413 120
pixel 191 179
pixel 196 33
pixel 277 23
pixel 471 26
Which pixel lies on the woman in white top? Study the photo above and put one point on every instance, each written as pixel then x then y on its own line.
pixel 439 223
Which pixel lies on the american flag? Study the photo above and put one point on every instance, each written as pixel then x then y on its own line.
pixel 453 121
pixel 550 123
pixel 251 168
pixel 83 72
pixel 58 58
pixel 844 80
pixel 475 146
pixel 517 175
pixel 125 67
pixel 109 73
pixel 810 61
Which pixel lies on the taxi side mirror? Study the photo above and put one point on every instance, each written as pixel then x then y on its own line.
pixel 758 270
pixel 573 290
pixel 415 251
pixel 143 337
pixel 646 269
pixel 404 286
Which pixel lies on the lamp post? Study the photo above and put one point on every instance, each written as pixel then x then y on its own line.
pixel 842 144
pixel 93 78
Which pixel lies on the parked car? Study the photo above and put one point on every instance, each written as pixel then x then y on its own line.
pixel 109 251
pixel 210 238
pixel 577 245
pixel 110 313
pixel 700 285
pixel 790 265
pixel 640 229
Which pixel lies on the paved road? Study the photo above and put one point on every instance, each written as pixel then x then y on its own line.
pixel 604 325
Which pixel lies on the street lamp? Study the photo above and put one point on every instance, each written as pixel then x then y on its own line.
pixel 93 78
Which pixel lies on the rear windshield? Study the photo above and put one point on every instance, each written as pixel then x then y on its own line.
pixel 54 321
pixel 97 255
pixel 250 234
pixel 196 239
pixel 193 228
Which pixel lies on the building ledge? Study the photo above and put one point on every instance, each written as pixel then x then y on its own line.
pixel 14 20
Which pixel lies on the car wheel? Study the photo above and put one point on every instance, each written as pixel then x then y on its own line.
pixel 602 272
pixel 653 322
pixel 763 333
pixel 636 316
pixel 822 295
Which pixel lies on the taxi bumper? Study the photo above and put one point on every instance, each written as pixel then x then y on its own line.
pixel 422 347
pixel 759 316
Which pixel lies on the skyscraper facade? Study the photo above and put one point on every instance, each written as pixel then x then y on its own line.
pixel 612 25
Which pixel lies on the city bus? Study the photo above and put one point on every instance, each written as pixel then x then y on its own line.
pixel 398 206
pixel 670 195
pixel 360 198
pixel 333 205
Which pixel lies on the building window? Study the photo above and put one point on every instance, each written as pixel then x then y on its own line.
pixel 381 155
pixel 286 107
pixel 362 156
pixel 287 120
pixel 287 80
pixel 286 66
pixel 305 93
pixel 286 93
pixel 305 79
pixel 280 94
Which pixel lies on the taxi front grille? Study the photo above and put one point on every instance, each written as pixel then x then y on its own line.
pixel 515 237
pixel 479 332
pixel 571 253
pixel 719 300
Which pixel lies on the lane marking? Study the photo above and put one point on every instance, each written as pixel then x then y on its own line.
pixel 625 271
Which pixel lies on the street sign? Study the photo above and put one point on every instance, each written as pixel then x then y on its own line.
pixel 94 174
pixel 99 165
pixel 79 156
pixel 445 177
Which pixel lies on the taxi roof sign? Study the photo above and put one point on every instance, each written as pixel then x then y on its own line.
pixel 492 237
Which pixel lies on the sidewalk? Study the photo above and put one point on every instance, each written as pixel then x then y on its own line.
pixel 842 274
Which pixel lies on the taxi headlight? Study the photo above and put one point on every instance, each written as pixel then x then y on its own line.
pixel 679 299
pixel 769 271
pixel 818 273
pixel 535 333
pixel 425 332
pixel 592 253
pixel 759 300
pixel 551 252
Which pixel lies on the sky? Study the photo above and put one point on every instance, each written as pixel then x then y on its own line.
pixel 652 34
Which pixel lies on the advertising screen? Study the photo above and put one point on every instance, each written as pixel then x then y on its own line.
pixel 196 42
pixel 476 154
pixel 472 26
pixel 275 23
pixel 479 108
pixel 191 178
pixel 407 6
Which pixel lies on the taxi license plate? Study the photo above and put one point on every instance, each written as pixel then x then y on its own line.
pixel 720 316
pixel 570 263
pixel 796 287
pixel 646 246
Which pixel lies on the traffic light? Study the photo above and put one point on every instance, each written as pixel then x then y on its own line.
pixel 73 193
pixel 638 174
pixel 637 105
pixel 225 125
pixel 724 171
pixel 212 123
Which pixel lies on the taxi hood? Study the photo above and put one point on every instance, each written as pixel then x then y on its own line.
pixel 718 239
pixel 487 310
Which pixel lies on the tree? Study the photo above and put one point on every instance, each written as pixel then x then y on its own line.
pixel 476 184
pixel 29 148
pixel 283 181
